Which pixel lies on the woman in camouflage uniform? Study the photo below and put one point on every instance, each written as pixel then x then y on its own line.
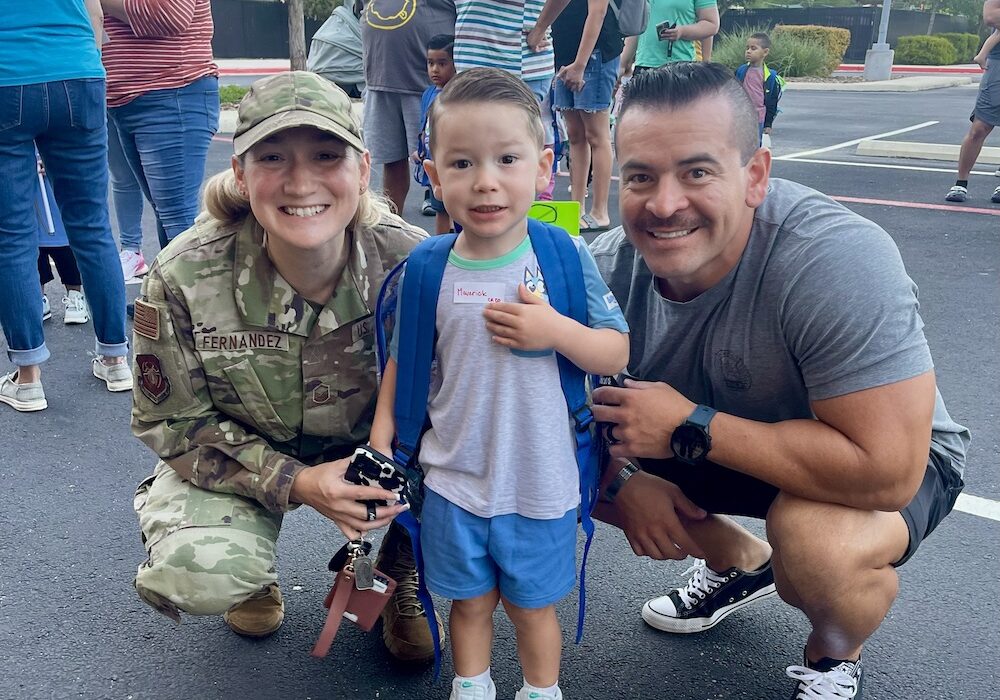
pixel 254 345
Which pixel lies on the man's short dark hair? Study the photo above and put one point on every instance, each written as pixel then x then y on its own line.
pixel 682 83
pixel 762 39
pixel 442 42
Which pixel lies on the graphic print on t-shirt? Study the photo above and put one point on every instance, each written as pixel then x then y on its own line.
pixel 535 283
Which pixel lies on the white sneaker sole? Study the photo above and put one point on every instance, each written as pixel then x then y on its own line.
pixel 75 320
pixel 665 623
pixel 24 406
pixel 114 386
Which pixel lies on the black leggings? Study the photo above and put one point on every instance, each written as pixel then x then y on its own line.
pixel 65 262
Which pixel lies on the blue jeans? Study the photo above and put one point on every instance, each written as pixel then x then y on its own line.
pixel 125 193
pixel 66 120
pixel 165 135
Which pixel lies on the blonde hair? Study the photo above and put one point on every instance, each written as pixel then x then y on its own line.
pixel 223 200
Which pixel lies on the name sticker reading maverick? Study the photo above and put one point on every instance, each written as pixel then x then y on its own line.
pixel 242 340
pixel 485 293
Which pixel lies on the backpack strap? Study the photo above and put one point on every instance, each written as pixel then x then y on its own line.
pixel 416 321
pixel 559 259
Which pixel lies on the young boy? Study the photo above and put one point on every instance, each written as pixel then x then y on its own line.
pixel 761 83
pixel 502 486
pixel 440 69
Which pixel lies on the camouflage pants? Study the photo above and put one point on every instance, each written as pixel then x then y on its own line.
pixel 206 551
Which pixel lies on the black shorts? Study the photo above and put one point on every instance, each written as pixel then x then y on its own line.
pixel 724 491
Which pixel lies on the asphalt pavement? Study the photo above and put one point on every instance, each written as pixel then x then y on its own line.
pixel 72 627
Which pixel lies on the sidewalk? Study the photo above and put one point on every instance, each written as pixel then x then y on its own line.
pixel 267 66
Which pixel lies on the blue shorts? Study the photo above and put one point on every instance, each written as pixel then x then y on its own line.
pixel 598 88
pixel 532 562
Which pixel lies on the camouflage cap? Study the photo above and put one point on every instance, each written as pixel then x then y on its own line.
pixel 295 98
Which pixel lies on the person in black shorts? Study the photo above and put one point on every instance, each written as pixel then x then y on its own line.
pixel 780 372
pixel 986 113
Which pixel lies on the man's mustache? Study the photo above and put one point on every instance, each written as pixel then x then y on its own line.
pixel 673 223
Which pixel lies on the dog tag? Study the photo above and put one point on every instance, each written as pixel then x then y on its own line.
pixel 339 560
pixel 364 573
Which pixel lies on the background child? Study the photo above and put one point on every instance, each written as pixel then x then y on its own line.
pixel 53 245
pixel 502 487
pixel 762 84
pixel 440 69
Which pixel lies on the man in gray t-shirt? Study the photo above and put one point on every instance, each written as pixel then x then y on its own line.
pixel 783 374
pixel 394 36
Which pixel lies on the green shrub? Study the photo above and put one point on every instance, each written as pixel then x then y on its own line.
pixel 320 9
pixel 231 94
pixel 966 45
pixel 924 50
pixel 834 40
pixel 791 56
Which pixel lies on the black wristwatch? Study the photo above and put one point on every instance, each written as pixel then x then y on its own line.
pixel 690 441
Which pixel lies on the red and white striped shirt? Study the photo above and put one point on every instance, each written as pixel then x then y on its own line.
pixel 165 44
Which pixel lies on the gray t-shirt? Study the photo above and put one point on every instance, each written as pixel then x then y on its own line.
pixel 501 440
pixel 394 35
pixel 818 306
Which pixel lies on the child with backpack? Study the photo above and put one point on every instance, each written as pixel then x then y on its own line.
pixel 440 69
pixel 761 84
pixel 500 455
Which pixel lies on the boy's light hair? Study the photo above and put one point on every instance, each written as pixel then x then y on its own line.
pixel 488 86
pixel 762 38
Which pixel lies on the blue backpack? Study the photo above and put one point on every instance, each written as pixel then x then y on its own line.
pixel 560 264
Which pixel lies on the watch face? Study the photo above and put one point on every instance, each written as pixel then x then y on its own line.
pixel 689 443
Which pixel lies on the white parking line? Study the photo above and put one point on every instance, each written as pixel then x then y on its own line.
pixel 976 505
pixel 888 166
pixel 845 144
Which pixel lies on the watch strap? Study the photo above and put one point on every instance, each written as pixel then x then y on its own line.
pixel 701 416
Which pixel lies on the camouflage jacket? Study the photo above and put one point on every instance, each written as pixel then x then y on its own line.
pixel 240 383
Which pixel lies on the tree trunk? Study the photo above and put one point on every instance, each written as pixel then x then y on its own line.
pixel 930 23
pixel 296 34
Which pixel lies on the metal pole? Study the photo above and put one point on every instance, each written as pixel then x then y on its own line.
pixel 878 59
pixel 883 25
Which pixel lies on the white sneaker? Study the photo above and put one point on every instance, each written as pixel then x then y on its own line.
pixel 468 690
pixel 525 694
pixel 118 377
pixel 133 264
pixel 957 193
pixel 76 308
pixel 46 309
pixel 22 397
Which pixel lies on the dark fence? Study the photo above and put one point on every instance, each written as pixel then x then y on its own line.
pixel 255 29
pixel 861 21
pixel 251 29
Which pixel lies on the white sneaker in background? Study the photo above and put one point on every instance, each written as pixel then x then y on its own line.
pixel 46 309
pixel 118 376
pixel 76 308
pixel 133 264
